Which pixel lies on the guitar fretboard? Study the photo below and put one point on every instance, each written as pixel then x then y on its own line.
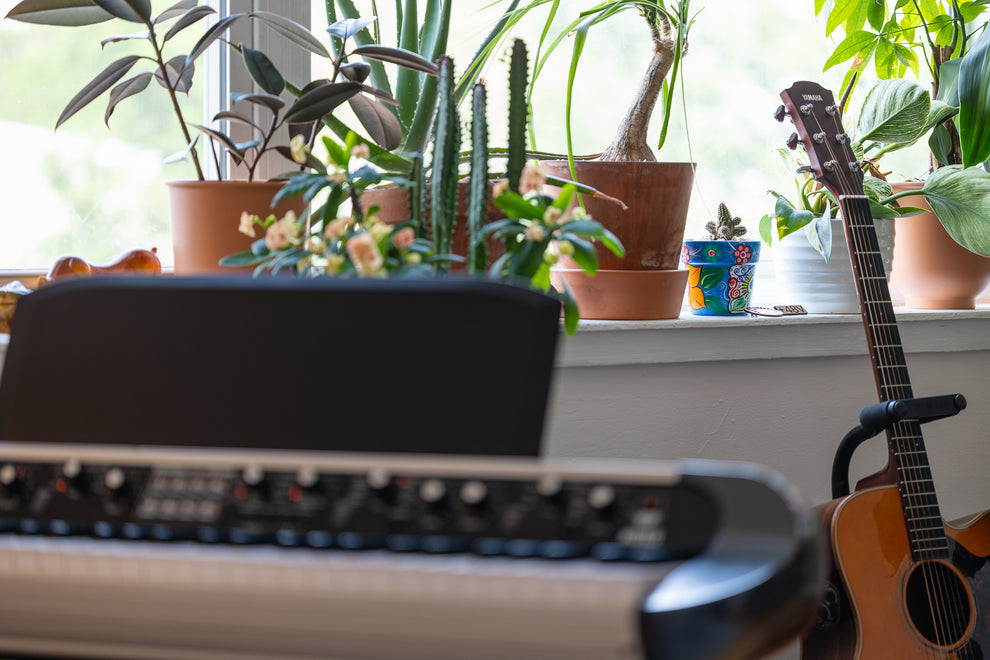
pixel 907 446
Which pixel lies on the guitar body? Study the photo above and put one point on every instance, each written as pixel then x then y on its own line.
pixel 886 611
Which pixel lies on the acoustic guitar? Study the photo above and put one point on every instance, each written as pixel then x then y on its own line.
pixel 909 585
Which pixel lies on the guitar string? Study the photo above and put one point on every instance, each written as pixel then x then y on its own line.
pixel 862 232
pixel 879 295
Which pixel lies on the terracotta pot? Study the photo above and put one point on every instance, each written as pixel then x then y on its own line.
pixel 657 194
pixel 206 216
pixel 625 294
pixel 393 208
pixel 930 269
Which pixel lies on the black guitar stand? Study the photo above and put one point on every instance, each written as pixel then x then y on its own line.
pixel 880 417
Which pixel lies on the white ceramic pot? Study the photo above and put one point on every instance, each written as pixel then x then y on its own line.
pixel 804 278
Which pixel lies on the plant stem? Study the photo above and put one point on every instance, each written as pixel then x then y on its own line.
pixel 170 86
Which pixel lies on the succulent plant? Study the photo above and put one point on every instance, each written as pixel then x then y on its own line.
pixel 725 227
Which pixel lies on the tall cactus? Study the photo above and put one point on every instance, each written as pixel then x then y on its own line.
pixel 446 147
pixel 478 184
pixel 518 113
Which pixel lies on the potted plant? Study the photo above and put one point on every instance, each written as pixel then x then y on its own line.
pixel 721 267
pixel 345 238
pixel 898 112
pixel 175 75
pixel 811 254
pixel 657 194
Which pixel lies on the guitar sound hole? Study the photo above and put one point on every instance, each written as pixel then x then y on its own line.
pixel 938 603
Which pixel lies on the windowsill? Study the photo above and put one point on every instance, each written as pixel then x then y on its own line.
pixel 717 339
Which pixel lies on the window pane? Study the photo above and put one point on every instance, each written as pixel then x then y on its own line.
pixel 83 190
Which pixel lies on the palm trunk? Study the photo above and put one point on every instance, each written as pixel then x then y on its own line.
pixel 630 143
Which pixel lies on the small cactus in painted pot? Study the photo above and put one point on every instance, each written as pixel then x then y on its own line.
pixel 721 267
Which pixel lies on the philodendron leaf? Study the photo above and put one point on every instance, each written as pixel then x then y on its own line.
pixel 790 219
pixel 129 87
pixel 135 11
pixel 894 112
pixel 262 70
pixel 961 200
pixel 320 101
pixel 382 125
pixel 400 56
pixel 187 19
pixel 69 13
pixel 95 87
pixel 819 235
pixel 176 10
pixel 974 103
pixel 940 144
pixel 125 37
pixel 179 74
pixel 292 31
pixel 948 82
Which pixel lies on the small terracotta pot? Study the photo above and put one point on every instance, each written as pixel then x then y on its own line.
pixel 720 275
pixel 624 294
pixel 930 269
pixel 206 219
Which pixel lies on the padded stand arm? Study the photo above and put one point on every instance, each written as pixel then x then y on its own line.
pixel 880 417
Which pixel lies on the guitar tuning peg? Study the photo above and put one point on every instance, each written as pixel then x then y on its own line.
pixel 792 141
pixel 780 113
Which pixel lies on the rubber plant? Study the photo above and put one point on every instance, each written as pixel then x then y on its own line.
pixel 175 73
pixel 952 41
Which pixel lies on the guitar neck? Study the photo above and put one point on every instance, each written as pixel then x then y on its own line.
pixel 905 441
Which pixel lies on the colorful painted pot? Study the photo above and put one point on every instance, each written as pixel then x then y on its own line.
pixel 720 277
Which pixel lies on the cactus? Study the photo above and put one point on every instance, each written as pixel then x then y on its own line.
pixel 726 227
pixel 518 113
pixel 446 147
pixel 478 186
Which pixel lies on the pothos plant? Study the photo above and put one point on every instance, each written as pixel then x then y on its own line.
pixel 175 72
pixel 342 238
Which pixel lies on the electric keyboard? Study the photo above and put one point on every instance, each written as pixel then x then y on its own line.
pixel 110 552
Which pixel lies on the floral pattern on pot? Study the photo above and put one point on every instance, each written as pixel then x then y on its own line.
pixel 720 278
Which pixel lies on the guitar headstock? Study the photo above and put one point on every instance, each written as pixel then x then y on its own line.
pixel 818 123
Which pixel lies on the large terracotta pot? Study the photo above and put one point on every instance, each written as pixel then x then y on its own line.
pixel 930 269
pixel 206 218
pixel 646 283
pixel 393 208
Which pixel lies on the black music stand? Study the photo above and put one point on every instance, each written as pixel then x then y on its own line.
pixel 449 366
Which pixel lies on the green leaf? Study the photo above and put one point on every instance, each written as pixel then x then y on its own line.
pixel 584 253
pixel 187 19
pixel 974 103
pixel 940 144
pixel 212 35
pixel 586 228
pixel 571 312
pixel 321 101
pixel 270 101
pixel 292 31
pixel 517 206
pixel 68 13
pixel 381 123
pixel 876 14
pixel 180 75
pixel 790 219
pixel 144 34
pixel 135 11
pixel 860 42
pixel 95 87
pixel 961 200
pixel 819 235
pixel 842 12
pixel 231 115
pixel 948 82
pixel 129 87
pixel 766 228
pixel 235 152
pixel 262 70
pixel 176 10
pixel 246 258
pixel 400 56
pixel 711 276
pixel 894 112
pixel 348 27
pixel 714 305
